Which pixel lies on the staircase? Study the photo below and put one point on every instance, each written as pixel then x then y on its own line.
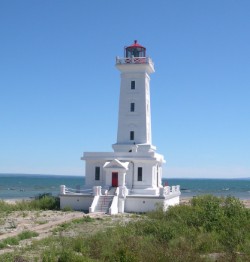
pixel 104 204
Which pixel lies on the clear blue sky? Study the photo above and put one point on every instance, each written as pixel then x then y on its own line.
pixel 59 88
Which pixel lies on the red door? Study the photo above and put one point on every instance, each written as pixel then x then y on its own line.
pixel 114 179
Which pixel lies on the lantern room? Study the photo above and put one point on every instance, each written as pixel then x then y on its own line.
pixel 135 50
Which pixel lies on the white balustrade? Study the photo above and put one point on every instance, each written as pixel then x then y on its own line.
pixel 97 190
pixel 134 60
pixel 167 190
pixel 72 191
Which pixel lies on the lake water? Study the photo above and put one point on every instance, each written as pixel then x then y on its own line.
pixel 27 186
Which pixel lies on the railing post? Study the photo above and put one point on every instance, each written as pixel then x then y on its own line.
pixel 62 189
pixel 97 190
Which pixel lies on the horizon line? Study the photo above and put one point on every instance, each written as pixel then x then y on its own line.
pixel 74 175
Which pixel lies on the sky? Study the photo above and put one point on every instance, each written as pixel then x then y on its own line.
pixel 59 88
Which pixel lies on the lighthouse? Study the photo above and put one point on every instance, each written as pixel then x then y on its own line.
pixel 129 179
pixel 134 122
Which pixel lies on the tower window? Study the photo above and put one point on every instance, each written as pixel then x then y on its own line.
pixel 139 174
pixel 97 173
pixel 132 135
pixel 132 107
pixel 132 84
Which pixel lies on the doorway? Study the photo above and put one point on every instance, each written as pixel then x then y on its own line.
pixel 114 179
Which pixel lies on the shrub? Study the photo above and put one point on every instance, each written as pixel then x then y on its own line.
pixel 46 203
pixel 27 234
pixel 43 203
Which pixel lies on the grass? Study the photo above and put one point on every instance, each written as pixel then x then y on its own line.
pixel 13 241
pixel 71 224
pixel 44 203
pixel 208 227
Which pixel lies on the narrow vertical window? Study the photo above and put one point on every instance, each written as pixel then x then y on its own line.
pixel 139 174
pixel 132 107
pixel 97 173
pixel 132 135
pixel 132 84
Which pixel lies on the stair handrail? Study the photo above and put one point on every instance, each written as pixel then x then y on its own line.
pixel 94 204
pixel 114 206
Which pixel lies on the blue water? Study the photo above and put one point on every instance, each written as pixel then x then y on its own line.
pixel 27 186
pixel 239 188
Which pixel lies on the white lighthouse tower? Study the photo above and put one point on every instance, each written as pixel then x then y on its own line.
pixel 134 123
pixel 130 178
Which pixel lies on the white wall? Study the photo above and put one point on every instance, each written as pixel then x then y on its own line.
pixel 76 202
pixel 90 173
pixel 138 205
pixel 147 174
pixel 138 121
pixel 146 204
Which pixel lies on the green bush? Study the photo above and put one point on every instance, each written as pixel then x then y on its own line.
pixel 46 203
pixel 43 203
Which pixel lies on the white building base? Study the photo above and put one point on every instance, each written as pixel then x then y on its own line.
pixel 120 201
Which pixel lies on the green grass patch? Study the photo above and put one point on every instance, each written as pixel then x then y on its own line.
pixel 67 209
pixel 69 225
pixel 13 241
pixel 43 203
pixel 27 234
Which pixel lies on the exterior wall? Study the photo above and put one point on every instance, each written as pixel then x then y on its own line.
pixel 147 174
pixel 138 121
pixel 171 202
pixel 145 204
pixel 129 175
pixel 157 175
pixel 76 202
pixel 90 173
pixel 148 163
pixel 132 204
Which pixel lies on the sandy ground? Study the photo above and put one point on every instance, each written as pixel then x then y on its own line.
pixel 43 222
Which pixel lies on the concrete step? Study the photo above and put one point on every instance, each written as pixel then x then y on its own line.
pixel 104 204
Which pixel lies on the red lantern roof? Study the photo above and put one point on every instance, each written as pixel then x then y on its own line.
pixel 135 44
